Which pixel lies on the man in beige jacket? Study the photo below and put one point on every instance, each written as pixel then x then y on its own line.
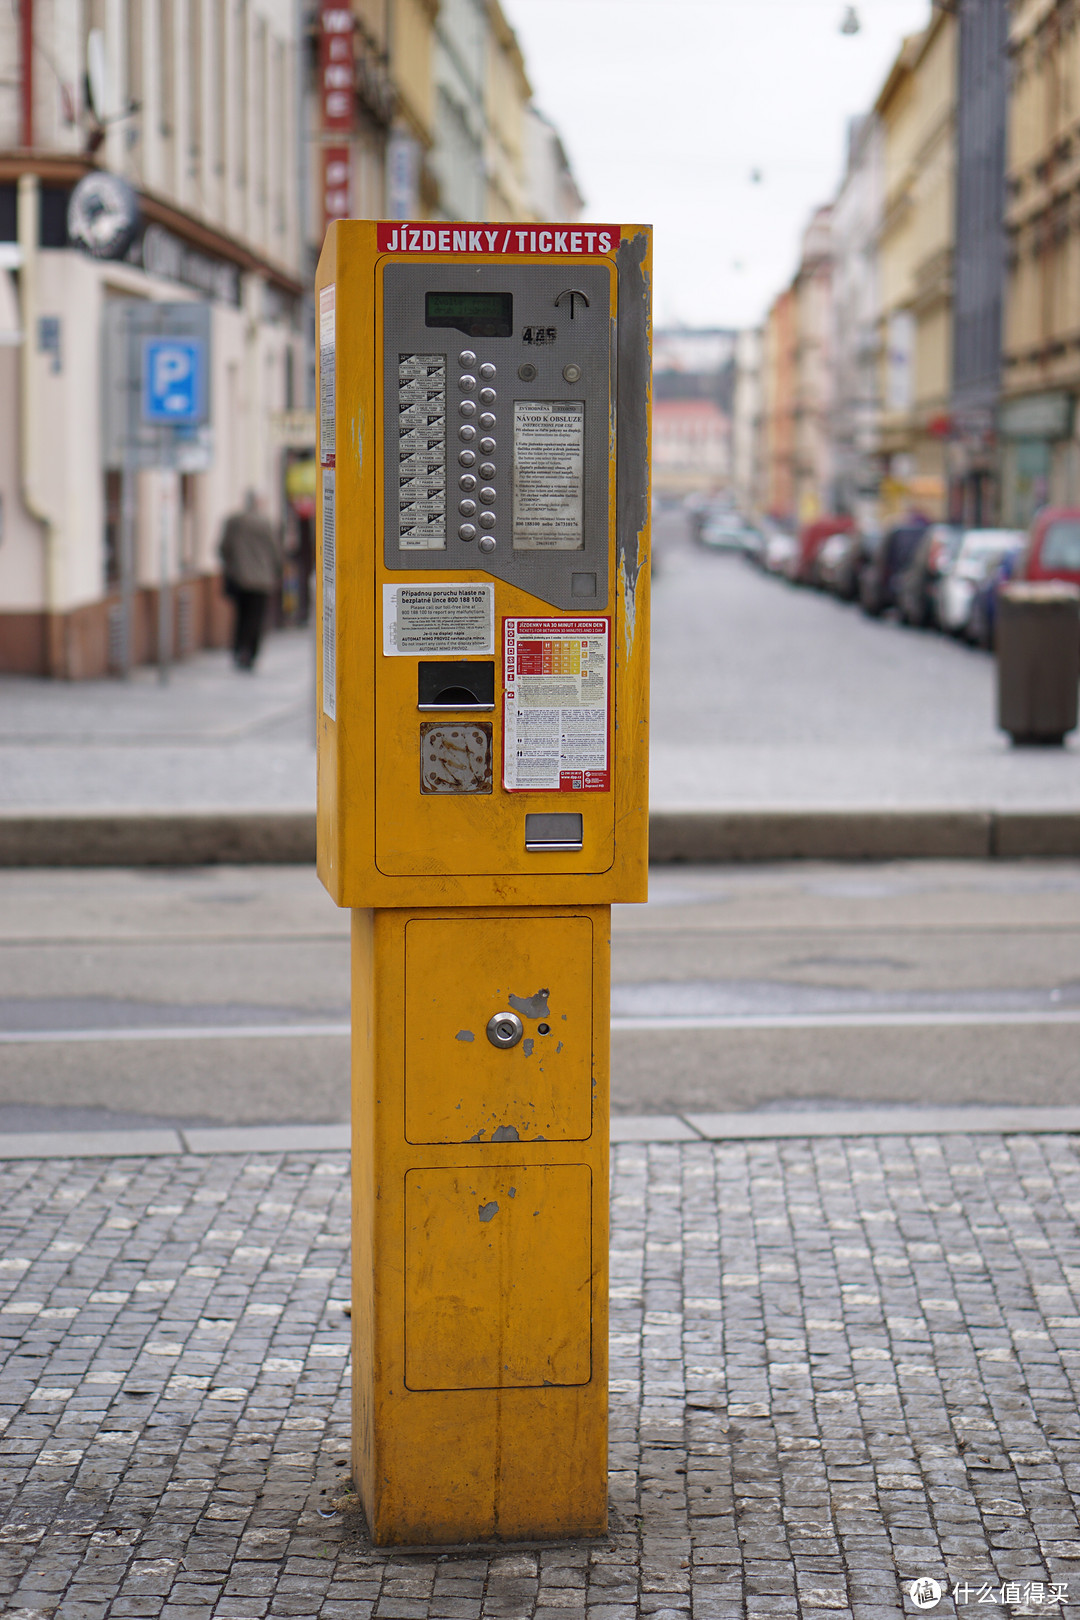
pixel 251 556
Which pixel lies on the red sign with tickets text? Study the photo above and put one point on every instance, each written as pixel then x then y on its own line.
pixel 522 241
pixel 557 709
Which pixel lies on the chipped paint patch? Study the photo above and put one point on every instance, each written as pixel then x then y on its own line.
pixel 527 1046
pixel 488 1211
pixel 505 1133
pixel 464 1035
pixel 532 1006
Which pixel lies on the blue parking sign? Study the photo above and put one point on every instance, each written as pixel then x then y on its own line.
pixel 172 380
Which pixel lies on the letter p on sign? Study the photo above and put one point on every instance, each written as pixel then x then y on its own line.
pixel 172 380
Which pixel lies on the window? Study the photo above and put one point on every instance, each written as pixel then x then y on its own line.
pixel 1061 548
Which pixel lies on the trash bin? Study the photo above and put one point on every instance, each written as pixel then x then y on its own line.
pixel 1038 660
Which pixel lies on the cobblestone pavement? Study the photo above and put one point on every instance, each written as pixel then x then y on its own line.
pixel 838 1366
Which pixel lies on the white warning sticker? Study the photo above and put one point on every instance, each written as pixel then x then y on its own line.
pixel 452 620
pixel 557 689
pixel 327 375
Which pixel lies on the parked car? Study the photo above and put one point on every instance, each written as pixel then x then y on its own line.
pixel 812 536
pixel 982 619
pixel 727 531
pixel 981 550
pixel 781 552
pixel 838 564
pixel 880 573
pixel 932 557
pixel 702 509
pixel 1053 547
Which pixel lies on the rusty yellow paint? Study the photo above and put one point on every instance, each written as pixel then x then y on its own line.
pixel 381 842
pixel 479 1344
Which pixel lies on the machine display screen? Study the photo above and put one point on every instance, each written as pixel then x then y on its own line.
pixel 477 314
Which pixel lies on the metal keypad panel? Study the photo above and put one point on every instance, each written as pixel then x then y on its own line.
pixel 457 509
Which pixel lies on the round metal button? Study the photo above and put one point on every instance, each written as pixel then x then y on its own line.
pixel 486 418
pixel 487 371
pixel 487 395
pixel 527 371
pixel 572 373
pixel 487 520
pixel 466 482
pixel 466 432
pixel 467 407
pixel 466 358
pixel 467 382
pixel 467 531
pixel 486 469
pixel 487 447
pixel 487 495
pixel 467 458
pixel 486 542
pixel 467 508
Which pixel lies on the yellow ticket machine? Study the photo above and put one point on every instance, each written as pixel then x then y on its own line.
pixel 482 800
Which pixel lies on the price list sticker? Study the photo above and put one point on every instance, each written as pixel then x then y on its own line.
pixel 557 705
pixel 421 452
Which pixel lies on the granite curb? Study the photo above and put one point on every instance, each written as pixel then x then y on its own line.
pixel 779 1125
pixel 204 837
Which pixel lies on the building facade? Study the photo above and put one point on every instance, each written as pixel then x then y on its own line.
pixel 693 379
pixel 856 399
pixel 813 368
pixel 778 407
pixel 1040 455
pixel 979 274
pixel 197 109
pixel 917 111
pixel 747 433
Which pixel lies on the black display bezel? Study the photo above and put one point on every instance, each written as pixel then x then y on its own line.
pixel 491 315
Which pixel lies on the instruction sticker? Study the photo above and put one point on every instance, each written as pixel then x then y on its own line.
pixel 452 620
pixel 549 462
pixel 327 377
pixel 557 705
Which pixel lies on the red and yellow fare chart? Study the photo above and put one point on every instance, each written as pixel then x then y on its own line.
pixel 557 722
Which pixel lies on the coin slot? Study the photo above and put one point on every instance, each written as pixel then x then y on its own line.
pixel 457 685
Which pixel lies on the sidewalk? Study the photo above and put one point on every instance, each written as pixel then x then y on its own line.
pixel 838 1365
pixel 220 766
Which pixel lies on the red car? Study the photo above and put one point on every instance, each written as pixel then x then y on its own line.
pixel 812 536
pixel 1053 546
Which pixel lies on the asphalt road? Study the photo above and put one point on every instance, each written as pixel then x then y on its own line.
pixel 766 694
pixel 220 995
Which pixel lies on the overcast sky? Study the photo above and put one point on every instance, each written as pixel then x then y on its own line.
pixel 669 107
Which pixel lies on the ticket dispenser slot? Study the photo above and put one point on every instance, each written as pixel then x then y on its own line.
pixel 463 687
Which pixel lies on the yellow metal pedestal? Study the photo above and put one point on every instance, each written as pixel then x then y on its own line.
pixel 480 1223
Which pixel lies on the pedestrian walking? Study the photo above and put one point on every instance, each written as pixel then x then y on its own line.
pixel 251 557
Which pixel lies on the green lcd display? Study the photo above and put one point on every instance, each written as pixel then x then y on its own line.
pixel 477 314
